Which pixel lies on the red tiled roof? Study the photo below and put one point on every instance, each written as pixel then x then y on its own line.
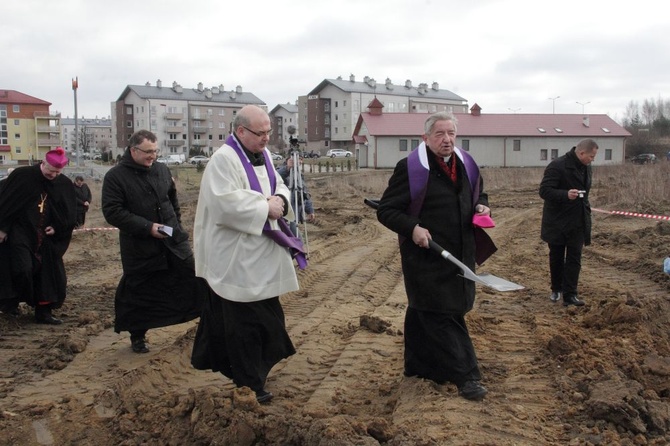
pixel 16 97
pixel 404 124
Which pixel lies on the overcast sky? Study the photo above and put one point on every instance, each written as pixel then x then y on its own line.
pixel 507 55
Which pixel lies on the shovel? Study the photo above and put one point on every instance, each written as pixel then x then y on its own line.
pixel 485 279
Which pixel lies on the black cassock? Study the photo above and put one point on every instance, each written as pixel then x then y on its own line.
pixel 31 262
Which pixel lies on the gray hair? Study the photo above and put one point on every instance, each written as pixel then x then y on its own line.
pixel 439 116
pixel 587 146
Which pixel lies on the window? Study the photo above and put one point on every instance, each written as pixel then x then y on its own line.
pixel 17 149
pixel 390 107
pixel 558 130
pixel 16 108
pixel 17 136
pixel 129 110
pixel 336 117
pixel 129 124
pixel 543 154
pixel 403 145
pixel 415 143
pixel 220 137
pixel 16 122
pixel 517 145
pixel 465 145
pixel 209 137
pixel 608 154
pixel 554 154
pixel 344 103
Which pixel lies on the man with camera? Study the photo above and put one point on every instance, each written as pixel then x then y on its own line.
pixel 566 218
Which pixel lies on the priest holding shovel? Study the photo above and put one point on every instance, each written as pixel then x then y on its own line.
pixel 431 199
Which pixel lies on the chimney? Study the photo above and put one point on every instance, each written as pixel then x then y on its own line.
pixel 208 93
pixel 366 79
pixel 352 78
pixel 389 84
pixel 585 121
pixel 159 84
pixel 408 83
pixel 476 110
pixel 232 94
pixel 436 86
pixel 238 89
pixel 200 87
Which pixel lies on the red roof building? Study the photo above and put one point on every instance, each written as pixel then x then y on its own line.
pixel 496 140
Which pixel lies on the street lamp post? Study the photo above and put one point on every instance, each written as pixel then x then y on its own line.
pixel 583 104
pixel 75 85
pixel 553 104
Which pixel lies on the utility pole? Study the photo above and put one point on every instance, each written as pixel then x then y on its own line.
pixel 553 104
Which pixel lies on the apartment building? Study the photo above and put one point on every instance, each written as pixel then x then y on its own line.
pixel 95 135
pixel 284 119
pixel 28 130
pixel 187 121
pixel 329 113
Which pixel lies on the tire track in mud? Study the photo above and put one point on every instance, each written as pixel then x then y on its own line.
pixel 342 285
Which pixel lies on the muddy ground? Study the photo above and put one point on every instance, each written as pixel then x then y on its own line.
pixel 596 375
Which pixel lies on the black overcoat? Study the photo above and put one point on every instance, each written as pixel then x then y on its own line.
pixel 432 283
pixel 565 221
pixel 133 198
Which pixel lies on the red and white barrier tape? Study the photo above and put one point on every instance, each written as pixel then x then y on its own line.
pixel 95 229
pixel 633 214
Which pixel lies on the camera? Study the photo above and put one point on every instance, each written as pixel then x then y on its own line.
pixel 580 193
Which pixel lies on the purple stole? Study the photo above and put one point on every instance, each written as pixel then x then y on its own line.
pixel 417 170
pixel 283 237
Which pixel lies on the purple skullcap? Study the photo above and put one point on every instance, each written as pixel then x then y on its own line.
pixel 56 158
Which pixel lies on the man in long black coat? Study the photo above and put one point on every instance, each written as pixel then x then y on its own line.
pixel 437 343
pixel 158 286
pixel 566 218
pixel 37 216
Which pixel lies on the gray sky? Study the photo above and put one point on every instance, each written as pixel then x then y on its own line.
pixel 506 55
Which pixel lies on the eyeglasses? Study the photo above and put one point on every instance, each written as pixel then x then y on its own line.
pixel 259 134
pixel 148 152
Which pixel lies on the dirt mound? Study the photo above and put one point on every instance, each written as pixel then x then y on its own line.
pixel 595 375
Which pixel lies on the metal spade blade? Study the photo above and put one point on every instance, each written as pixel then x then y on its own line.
pixel 485 279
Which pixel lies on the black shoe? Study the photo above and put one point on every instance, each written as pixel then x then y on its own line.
pixel 139 345
pixel 43 316
pixel 555 296
pixel 571 299
pixel 472 390
pixel 264 397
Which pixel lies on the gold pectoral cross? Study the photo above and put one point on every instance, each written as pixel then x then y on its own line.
pixel 41 205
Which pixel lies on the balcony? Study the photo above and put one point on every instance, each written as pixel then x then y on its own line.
pixel 48 129
pixel 199 129
pixel 199 142
pixel 175 142
pixel 174 129
pixel 176 116
pixel 46 115
pixel 50 142
pixel 199 117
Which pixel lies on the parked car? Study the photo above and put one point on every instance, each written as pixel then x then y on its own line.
pixel 277 157
pixel 311 154
pixel 198 159
pixel 332 153
pixel 168 160
pixel 644 158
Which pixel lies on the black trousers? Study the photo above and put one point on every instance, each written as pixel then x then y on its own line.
pixel 565 263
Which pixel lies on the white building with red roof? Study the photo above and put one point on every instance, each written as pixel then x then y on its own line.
pixel 495 140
